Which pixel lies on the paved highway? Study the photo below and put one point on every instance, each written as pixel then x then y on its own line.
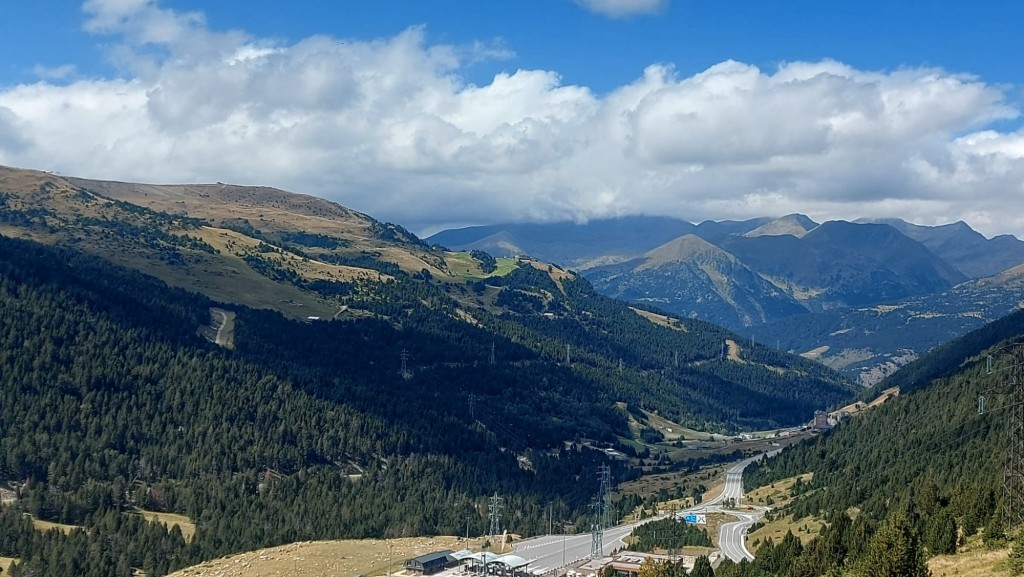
pixel 551 551
pixel 732 536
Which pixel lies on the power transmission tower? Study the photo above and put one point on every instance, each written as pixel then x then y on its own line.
pixel 567 359
pixel 606 493
pixel 1013 479
pixel 492 353
pixel 601 512
pixel 676 360
pixel 494 509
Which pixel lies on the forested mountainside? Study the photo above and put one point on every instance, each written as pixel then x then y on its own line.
pixel 926 466
pixel 111 403
pixel 309 258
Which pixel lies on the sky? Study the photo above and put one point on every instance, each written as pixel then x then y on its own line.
pixel 445 113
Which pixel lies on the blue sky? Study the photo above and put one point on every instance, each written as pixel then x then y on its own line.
pixel 587 47
pixel 438 113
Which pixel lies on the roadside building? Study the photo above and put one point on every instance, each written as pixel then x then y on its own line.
pixel 463 558
pixel 628 563
pixel 500 566
pixel 430 563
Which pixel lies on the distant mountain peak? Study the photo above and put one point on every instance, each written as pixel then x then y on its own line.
pixel 501 243
pixel 792 224
pixel 685 248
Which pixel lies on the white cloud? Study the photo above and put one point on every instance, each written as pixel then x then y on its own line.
pixel 389 126
pixel 622 8
pixel 55 72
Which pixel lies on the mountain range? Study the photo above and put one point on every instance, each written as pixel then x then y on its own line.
pixel 788 278
pixel 273 368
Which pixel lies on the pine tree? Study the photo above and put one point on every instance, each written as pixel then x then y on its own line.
pixel 941 533
pixel 702 567
pixel 895 551
pixel 1017 557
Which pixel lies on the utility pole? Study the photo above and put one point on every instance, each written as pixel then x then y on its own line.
pixel 406 373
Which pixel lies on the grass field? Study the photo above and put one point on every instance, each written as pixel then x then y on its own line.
pixel 464 267
pixel 327 558
pixel 660 320
pixel 188 528
pixel 779 492
pixel 41 525
pixel 674 431
pixel 973 560
pixel 805 529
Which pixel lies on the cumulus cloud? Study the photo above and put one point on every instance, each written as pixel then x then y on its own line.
pixel 623 8
pixel 390 127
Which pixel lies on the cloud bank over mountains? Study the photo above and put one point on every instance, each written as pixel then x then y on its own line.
pixel 389 126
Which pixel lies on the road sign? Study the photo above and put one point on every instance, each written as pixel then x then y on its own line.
pixel 694 519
